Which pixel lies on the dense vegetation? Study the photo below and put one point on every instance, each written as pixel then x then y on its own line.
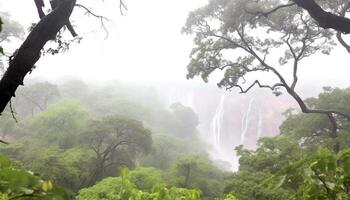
pixel 79 141
pixel 77 148
pixel 75 138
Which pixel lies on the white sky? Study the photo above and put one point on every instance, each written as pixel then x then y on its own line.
pixel 144 45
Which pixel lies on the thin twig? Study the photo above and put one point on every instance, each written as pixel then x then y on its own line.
pixel 13 112
pixel 100 17
pixel 122 7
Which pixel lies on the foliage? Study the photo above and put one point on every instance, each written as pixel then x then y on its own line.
pixel 115 141
pixel 8 126
pixel 230 197
pixel 327 176
pixel 313 131
pixel 185 120
pixel 167 148
pixel 22 184
pixel 247 185
pixel 123 188
pixel 224 28
pixel 73 147
pixel 146 178
pixel 181 121
pixel 10 29
pixel 35 97
pixel 60 123
pixel 197 172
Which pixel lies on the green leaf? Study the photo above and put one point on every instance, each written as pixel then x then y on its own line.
pixel 47 185
pixel 4 162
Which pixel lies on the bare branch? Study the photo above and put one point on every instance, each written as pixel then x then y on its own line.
pixel 13 112
pixel 329 113
pixel 122 7
pixel 342 42
pixel 100 17
pixel 256 82
pixel 339 34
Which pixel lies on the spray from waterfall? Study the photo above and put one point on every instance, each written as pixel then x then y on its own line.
pixel 259 128
pixel 186 98
pixel 245 121
pixel 216 125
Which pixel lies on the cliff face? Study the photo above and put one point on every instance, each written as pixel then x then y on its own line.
pixel 229 119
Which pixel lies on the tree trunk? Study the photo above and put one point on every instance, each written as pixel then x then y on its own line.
pixel 29 52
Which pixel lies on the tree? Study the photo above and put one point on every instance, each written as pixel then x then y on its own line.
pixel 29 52
pixel 224 29
pixel 197 172
pixel 298 163
pixel 48 144
pixel 35 98
pixel 120 188
pixel 247 185
pixel 10 30
pixel 312 131
pixel 280 169
pixel 185 120
pixel 167 148
pixel 180 120
pixel 115 140
pixel 60 123
pixel 328 14
pixel 8 127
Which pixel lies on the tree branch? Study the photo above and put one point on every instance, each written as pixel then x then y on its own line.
pixel 29 52
pixel 291 91
pixel 266 13
pixel 100 17
pixel 339 34
pixel 256 82
pixel 325 19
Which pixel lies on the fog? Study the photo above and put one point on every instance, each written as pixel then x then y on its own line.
pixel 135 66
pixel 144 45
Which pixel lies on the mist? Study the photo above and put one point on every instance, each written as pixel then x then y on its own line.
pixel 142 95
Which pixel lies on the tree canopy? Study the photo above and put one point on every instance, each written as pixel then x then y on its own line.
pixel 234 37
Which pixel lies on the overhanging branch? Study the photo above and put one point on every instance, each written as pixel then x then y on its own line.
pixel 29 52
pixel 325 19
pixel 339 34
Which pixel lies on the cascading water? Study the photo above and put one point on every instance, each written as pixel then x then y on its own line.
pixel 216 125
pixel 218 140
pixel 259 128
pixel 245 121
pixel 226 119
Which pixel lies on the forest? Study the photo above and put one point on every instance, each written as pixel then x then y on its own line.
pixel 265 125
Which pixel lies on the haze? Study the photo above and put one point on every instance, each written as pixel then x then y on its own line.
pixel 144 45
pixel 263 115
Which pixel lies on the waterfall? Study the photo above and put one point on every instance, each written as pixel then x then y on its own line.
pixel 259 128
pixel 216 138
pixel 216 125
pixel 245 121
